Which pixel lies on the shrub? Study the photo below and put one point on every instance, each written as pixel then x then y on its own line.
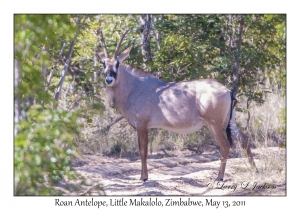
pixel 43 150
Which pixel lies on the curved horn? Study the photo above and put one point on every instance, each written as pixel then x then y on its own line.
pixel 119 44
pixel 103 43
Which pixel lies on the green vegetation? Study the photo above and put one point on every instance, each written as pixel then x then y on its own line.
pixel 44 147
pixel 60 91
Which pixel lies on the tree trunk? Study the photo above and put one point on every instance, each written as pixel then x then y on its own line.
pixel 17 99
pixel 157 34
pixel 64 71
pixel 236 41
pixel 222 45
pixel 249 100
pixel 52 70
pixel 96 70
pixel 146 21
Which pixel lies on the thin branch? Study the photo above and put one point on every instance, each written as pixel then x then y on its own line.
pixel 166 152
pixel 109 125
pixel 67 63
pixel 191 148
pixel 62 49
pixel 230 41
pixel 114 122
pixel 180 70
pixel 156 34
pixel 95 79
pixel 103 43
pixel 241 26
pixel 157 37
pixel 52 70
pixel 29 101
pixel 16 95
pixel 65 70
pixel 49 79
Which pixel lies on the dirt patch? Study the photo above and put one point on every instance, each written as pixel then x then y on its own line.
pixel 186 174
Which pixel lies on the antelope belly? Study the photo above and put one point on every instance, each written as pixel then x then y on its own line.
pixel 182 129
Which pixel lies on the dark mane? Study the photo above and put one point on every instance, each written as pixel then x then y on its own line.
pixel 140 72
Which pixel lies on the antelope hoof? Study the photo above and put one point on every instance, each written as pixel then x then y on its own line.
pixel 143 178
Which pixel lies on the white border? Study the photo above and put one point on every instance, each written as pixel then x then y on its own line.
pixel 138 6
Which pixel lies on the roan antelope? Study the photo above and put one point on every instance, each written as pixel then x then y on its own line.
pixel 181 107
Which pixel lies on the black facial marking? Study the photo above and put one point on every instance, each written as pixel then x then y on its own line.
pixel 111 73
pixel 117 65
pixel 104 65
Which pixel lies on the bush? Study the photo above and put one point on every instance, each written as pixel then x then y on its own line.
pixel 43 150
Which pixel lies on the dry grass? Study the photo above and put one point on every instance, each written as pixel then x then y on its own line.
pixel 266 134
pixel 271 165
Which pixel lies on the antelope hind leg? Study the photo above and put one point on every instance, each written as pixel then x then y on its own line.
pixel 142 134
pixel 224 155
pixel 224 145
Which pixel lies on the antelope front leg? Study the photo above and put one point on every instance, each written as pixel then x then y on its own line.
pixel 143 146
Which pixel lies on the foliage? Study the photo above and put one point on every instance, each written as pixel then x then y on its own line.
pixel 44 141
pixel 44 147
pixel 37 41
pixel 263 52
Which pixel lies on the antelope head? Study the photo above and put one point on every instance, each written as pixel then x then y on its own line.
pixel 111 65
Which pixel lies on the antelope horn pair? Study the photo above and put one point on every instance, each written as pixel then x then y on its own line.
pixel 118 46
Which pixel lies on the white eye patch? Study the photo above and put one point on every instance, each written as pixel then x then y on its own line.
pixel 115 66
pixel 106 66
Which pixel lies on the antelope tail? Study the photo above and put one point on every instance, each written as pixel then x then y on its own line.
pixel 228 129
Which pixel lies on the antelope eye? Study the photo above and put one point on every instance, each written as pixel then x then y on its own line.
pixel 104 65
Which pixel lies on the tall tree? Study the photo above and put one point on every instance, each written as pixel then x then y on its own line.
pixel 146 23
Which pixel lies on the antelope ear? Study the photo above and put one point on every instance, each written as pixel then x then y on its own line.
pixel 102 56
pixel 124 54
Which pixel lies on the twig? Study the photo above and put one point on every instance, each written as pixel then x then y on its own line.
pixel 180 70
pixel 109 125
pixel 103 44
pixel 114 122
pixel 166 152
pixel 197 150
